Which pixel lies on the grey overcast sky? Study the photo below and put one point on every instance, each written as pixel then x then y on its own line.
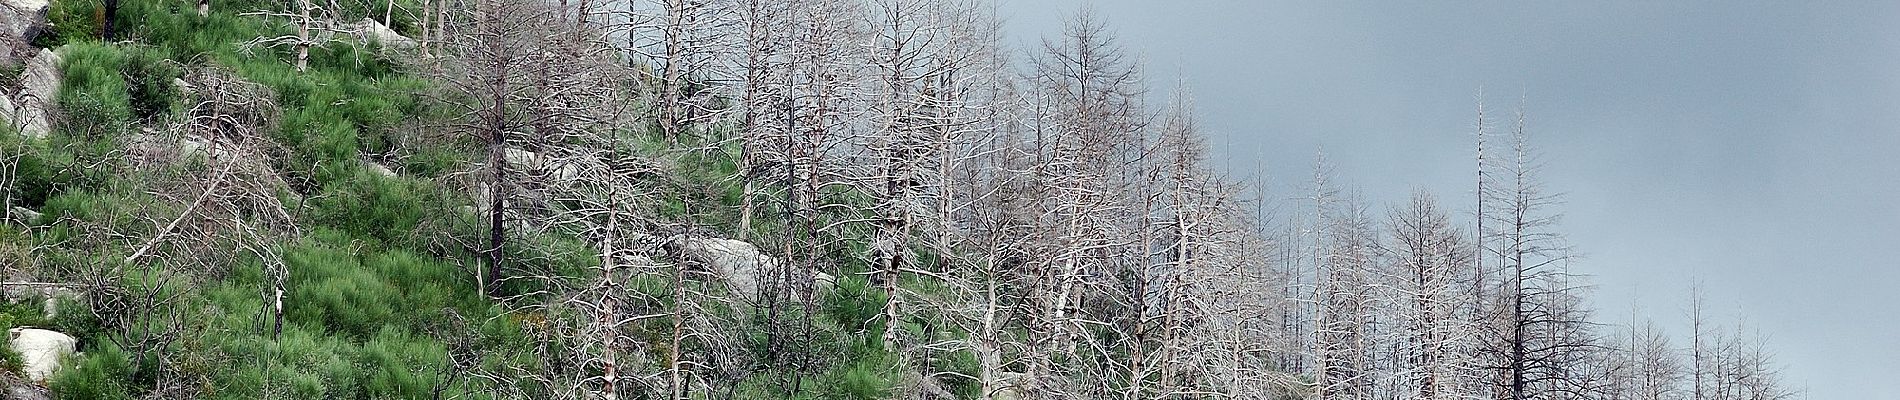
pixel 1754 146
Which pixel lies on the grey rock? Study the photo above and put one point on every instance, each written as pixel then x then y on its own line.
pixel 24 215
pixel 26 392
pixel 741 264
pixel 371 30
pixel 378 169
pixel 21 21
pixel 39 84
pixel 40 350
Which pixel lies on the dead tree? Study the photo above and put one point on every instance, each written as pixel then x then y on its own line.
pixel 922 58
pixel 11 152
pixel 315 25
pixel 212 206
pixel 1345 303
pixel 1654 365
pixel 1088 130
pixel 817 113
pixel 1196 331
pixel 680 42
pixel 495 49
pixel 761 65
pixel 1428 281
pixel 1544 331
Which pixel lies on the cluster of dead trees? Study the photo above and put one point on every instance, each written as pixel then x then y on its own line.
pixel 1081 242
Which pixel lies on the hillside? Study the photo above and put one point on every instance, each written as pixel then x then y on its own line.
pixel 733 200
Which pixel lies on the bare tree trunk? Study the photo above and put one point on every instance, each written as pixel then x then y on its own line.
pixel 610 374
pixel 441 30
pixel 423 37
pixel 1698 367
pixel 672 79
pixel 676 383
pixel 9 177
pixel 303 35
pixel 498 190
pixel 109 15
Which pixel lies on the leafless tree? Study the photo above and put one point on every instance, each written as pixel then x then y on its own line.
pixel 1197 331
pixel 1732 365
pixel 1087 133
pixel 12 150
pixel 1433 334
pixel 1346 304
pixel 680 41
pixel 1653 368
pixel 316 25
pixel 207 200
pixel 501 54
pixel 1340 249
pixel 762 65
pixel 923 58
pixel 1542 334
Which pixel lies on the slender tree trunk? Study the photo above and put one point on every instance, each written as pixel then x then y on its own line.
pixel 423 28
pixel 676 383
pixel 1696 361
pixel 498 180
pixel 609 374
pixel 303 35
pixel 109 16
pixel 1519 319
pixel 670 78
pixel 1479 274
pixel 991 359
pixel 755 64
pixel 441 28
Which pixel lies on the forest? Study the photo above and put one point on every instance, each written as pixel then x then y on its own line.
pixel 740 199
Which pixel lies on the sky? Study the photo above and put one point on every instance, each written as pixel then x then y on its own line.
pixel 1753 147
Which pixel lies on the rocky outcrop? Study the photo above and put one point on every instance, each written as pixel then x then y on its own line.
pixel 741 264
pixel 378 169
pixel 20 22
pixel 48 293
pixel 738 262
pixel 369 30
pixel 30 110
pixel 40 350
pixel 1008 386
pixel 21 391
pixel 24 215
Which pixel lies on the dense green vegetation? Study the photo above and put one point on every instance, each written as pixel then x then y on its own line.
pixel 375 311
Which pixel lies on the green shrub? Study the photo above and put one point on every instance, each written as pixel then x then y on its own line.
pixel 963 362
pixel 312 365
pixel 75 320
pixel 373 206
pixel 82 205
pixel 872 377
pixel 71 21
pixel 36 177
pixel 149 75
pixel 335 292
pixel 92 97
pixel 97 375
pixel 855 305
pixel 402 366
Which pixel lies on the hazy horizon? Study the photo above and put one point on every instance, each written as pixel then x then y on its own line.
pixel 1749 146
